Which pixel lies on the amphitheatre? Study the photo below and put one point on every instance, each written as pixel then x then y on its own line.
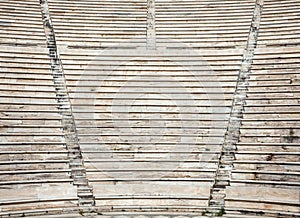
pixel 150 108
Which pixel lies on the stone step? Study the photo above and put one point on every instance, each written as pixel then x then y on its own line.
pixel 217 202
pixel 84 188
pixel 76 174
pixel 86 202
pixel 85 195
pixel 217 196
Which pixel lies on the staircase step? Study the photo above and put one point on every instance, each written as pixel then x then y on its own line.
pixel 86 202
pixel 85 194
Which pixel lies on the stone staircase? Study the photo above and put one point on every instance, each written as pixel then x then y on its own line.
pixel 78 171
pixel 223 176
pixel 33 156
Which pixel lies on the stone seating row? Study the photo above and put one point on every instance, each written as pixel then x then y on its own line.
pixel 265 175
pixel 35 172
pixel 16 27
pixel 105 25
pixel 285 21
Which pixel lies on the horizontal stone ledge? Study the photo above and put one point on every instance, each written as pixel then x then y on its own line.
pixel 288 112
pixel 150 170
pixel 97 111
pixel 194 66
pixel 129 118
pixel 191 16
pixel 272 85
pixel 21 112
pixel 267 127
pixel 43 66
pixel 33 162
pixel 271 119
pixel 32 126
pixel 49 84
pixel 40 212
pixel 134 97
pixel 162 36
pixel 13 182
pixel 26 42
pixel 153 81
pixel 23 56
pixel 9 16
pixel 49 152
pixel 214 59
pixel 265 162
pixel 6 116
pixel 30 143
pixel 165 9
pixel 182 135
pixel 271 105
pixel 272 72
pixel 284 55
pixel 15 172
pixel 279 23
pixel 129 106
pixel 133 5
pixel 186 97
pixel 284 202
pixel 28 35
pixel 272 18
pixel 267 144
pixel 266 152
pixel 157 197
pixel 96 151
pixel 129 160
pixel 280 42
pixel 118 75
pixel 147 128
pixel 266 172
pixel 160 7
pixel 117 45
pixel 126 15
pixel 267 136
pixel 46 104
pixel 141 53
pixel 233 210
pixel 152 180
pixel 278 52
pixel 278 62
pixel 38 201
pixel 204 24
pixel 151 143
pixel 21 17
pixel 273 92
pixel 274 67
pixel 130 7
pixel 20 7
pixel 128 211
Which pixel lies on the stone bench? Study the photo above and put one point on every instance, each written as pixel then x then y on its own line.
pixel 71 18
pixel 37 206
pixel 277 205
pixel 287 19
pixel 68 212
pixel 235 212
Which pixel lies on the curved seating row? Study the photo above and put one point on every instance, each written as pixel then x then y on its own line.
pixel 203 24
pixel 99 24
